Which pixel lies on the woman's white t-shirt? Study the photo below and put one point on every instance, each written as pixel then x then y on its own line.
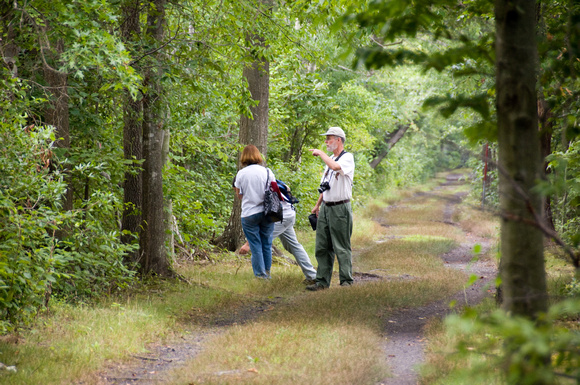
pixel 251 180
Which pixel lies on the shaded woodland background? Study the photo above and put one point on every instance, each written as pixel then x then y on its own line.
pixel 122 121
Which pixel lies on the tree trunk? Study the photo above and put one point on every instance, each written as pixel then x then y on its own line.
pixel 57 113
pixel 253 130
pixel 233 236
pixel 522 270
pixel 132 144
pixel 392 139
pixel 296 143
pixel 8 47
pixel 545 118
pixel 154 258
pixel 546 132
pixel 522 253
pixel 168 206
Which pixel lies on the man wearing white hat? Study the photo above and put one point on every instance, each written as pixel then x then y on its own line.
pixel 334 211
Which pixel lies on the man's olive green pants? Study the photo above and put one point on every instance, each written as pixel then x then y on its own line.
pixel 333 232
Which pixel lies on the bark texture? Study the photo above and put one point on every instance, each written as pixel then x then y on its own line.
pixel 132 142
pixel 154 259
pixel 391 140
pixel 253 129
pixel 57 111
pixel 522 267
pixel 8 47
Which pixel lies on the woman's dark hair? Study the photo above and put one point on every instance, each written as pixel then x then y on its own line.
pixel 251 155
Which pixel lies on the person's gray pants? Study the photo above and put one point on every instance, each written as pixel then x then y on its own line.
pixel 285 231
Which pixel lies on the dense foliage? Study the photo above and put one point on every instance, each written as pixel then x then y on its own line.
pixel 33 263
pixel 484 340
pixel 444 57
pixel 49 250
pixel 530 349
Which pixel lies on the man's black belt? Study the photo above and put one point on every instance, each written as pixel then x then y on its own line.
pixel 336 203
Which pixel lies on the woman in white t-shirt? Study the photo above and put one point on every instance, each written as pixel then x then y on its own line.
pixel 250 184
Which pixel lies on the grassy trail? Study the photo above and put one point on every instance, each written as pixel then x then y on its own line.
pixel 226 327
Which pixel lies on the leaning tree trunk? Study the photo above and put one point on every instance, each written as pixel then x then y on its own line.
pixel 391 140
pixel 253 130
pixel 132 143
pixel 154 258
pixel 522 248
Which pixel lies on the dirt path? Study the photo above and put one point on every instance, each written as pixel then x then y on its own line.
pixel 404 328
pixel 150 368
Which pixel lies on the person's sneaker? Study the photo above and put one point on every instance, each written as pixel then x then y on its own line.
pixel 263 276
pixel 315 287
pixel 309 281
pixel 346 283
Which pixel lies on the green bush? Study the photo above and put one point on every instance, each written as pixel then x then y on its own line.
pixel 527 351
pixel 29 198
pixel 86 260
pixel 91 255
pixel 572 289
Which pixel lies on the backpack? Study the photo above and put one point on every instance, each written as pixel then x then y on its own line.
pixel 286 193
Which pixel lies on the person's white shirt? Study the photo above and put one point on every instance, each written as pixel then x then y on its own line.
pixel 251 181
pixel 340 181
pixel 287 210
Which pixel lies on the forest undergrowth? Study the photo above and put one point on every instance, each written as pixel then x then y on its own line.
pixel 233 328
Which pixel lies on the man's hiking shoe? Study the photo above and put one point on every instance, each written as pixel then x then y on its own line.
pixel 309 281
pixel 345 283
pixel 315 287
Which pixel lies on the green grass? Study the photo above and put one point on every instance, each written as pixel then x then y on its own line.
pixel 446 366
pixel 303 337
pixel 481 349
pixel 288 353
pixel 73 341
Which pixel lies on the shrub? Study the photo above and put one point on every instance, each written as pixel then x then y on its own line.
pixel 34 264
pixel 529 352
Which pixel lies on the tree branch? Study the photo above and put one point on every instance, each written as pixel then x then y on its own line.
pixel 401 130
pixel 384 46
pixel 156 49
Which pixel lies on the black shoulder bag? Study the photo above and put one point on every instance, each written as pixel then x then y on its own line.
pixel 272 204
